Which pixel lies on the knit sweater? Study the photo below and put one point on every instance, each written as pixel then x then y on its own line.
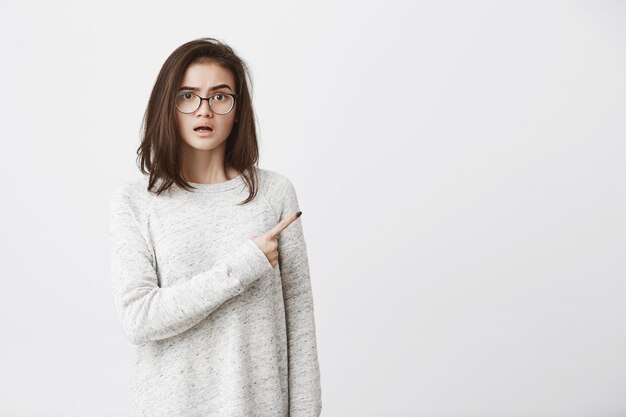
pixel 216 330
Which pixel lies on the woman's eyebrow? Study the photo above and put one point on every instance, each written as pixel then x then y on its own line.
pixel 217 87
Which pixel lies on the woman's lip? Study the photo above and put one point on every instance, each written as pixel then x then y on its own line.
pixel 204 132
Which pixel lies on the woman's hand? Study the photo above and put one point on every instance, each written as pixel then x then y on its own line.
pixel 268 241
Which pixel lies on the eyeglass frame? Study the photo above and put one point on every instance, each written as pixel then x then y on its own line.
pixel 233 95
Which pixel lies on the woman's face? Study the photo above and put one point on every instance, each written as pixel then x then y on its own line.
pixel 205 77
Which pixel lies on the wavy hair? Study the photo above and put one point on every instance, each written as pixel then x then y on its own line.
pixel 159 152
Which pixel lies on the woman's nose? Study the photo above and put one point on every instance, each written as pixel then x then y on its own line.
pixel 205 108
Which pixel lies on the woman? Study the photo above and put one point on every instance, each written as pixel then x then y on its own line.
pixel 218 329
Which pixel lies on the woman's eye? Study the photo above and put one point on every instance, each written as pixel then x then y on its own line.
pixel 187 96
pixel 219 96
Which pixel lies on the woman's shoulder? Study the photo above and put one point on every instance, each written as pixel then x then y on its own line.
pixel 273 181
pixel 132 187
pixel 279 190
pixel 132 194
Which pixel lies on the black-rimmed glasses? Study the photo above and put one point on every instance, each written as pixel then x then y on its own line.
pixel 219 103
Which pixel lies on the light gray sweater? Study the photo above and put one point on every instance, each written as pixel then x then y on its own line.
pixel 217 331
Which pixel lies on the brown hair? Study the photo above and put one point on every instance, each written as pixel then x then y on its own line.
pixel 159 153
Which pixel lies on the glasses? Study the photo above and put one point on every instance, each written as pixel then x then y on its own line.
pixel 219 103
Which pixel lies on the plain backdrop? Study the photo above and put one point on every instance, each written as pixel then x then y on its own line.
pixel 460 167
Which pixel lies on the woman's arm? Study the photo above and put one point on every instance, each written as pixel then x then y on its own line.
pixel 148 312
pixel 305 397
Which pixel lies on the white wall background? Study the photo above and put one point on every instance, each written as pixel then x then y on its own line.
pixel 460 167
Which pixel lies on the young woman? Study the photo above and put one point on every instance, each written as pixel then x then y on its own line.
pixel 209 265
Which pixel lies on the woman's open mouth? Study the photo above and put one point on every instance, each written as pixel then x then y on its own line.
pixel 204 131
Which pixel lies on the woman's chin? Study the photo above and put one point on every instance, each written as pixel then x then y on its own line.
pixel 204 144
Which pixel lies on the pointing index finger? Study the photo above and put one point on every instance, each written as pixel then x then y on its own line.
pixel 276 230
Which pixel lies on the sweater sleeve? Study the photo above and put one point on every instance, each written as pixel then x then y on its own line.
pixel 305 399
pixel 148 312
